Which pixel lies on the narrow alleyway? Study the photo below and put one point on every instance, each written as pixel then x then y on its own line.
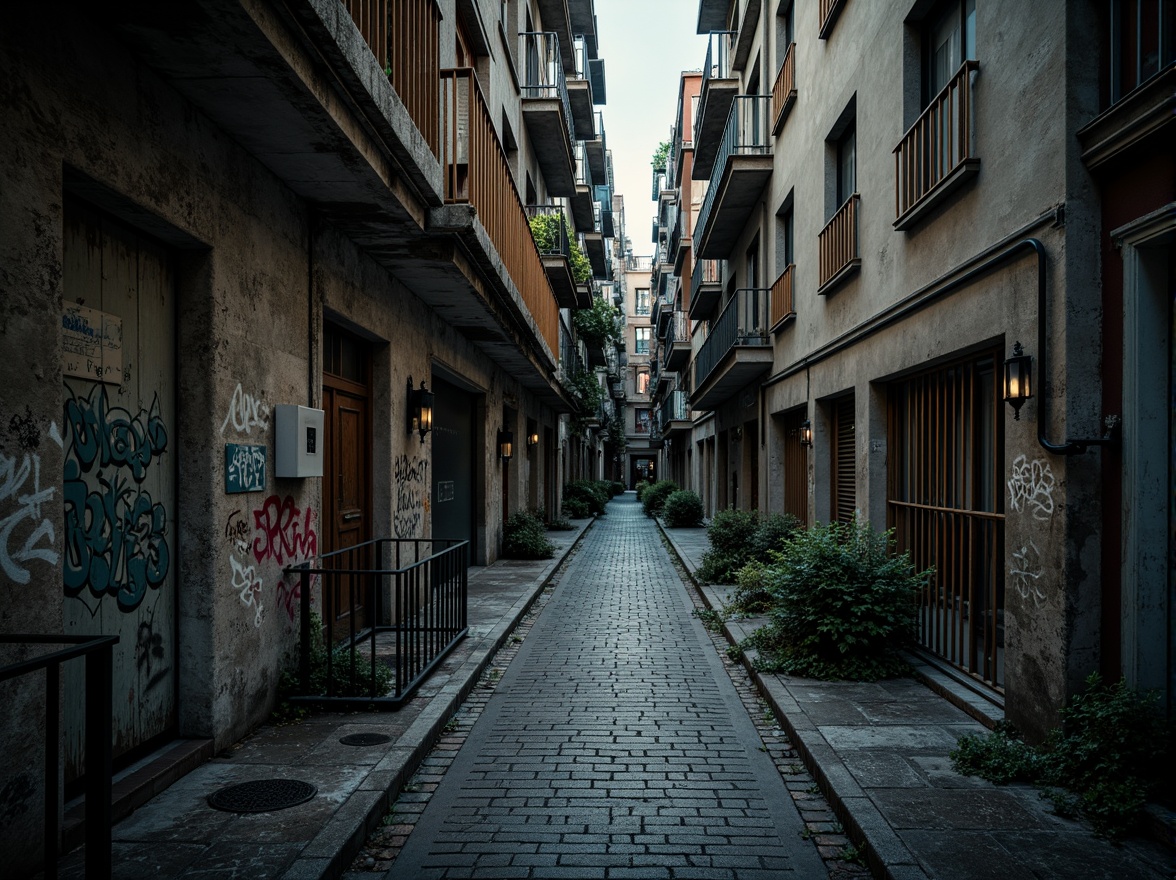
pixel 615 745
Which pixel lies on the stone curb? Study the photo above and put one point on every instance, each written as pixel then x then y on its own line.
pixel 332 850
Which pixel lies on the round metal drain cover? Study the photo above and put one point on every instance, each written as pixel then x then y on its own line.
pixel 262 796
pixel 365 739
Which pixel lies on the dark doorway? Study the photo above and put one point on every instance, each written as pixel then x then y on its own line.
pixel 453 461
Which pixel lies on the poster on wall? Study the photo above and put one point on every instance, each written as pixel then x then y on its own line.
pixel 244 468
pixel 91 344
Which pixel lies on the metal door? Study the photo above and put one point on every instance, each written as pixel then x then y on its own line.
pixel 453 462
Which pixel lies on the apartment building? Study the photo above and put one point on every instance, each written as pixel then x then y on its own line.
pixel 917 234
pixel 273 285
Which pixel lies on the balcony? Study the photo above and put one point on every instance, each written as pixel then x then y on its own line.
pixel 829 10
pixel 719 88
pixel 712 15
pixel 556 19
pixel 741 168
pixel 547 111
pixel 583 202
pixel 663 306
pixel 783 308
pixel 674 413
pixel 737 350
pixel 676 347
pixel 837 245
pixel 597 150
pixel 748 24
pixel 592 244
pixel 580 95
pixel 706 288
pixel 571 362
pixel 638 264
pixel 938 153
pixel 784 91
pixel 549 226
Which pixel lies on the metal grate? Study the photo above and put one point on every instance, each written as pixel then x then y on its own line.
pixel 365 739
pixel 262 796
pixel 844 461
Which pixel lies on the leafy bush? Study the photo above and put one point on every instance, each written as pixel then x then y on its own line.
pixel 560 524
pixel 641 486
pixel 599 324
pixel 739 536
pixel 751 594
pixel 576 508
pixel 616 487
pixel 843 605
pixel 545 230
pixel 655 496
pixel 682 509
pixel 524 537
pixel 1112 751
pixel 773 531
pixel 594 493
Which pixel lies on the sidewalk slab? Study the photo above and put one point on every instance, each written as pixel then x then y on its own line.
pixel 176 832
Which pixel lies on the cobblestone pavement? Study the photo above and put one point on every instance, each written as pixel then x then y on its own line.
pixel 616 746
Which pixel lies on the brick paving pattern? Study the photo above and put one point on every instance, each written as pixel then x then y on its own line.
pixel 615 745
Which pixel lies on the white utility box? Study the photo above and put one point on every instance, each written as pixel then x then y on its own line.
pixel 298 441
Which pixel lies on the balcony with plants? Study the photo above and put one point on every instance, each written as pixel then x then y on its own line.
pixel 547 110
pixel 741 169
pixel 737 350
pixel 564 262
pixel 719 87
pixel 601 329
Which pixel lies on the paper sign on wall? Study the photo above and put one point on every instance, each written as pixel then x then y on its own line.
pixel 244 468
pixel 91 344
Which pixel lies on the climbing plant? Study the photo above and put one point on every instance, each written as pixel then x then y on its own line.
pixel 545 229
pixel 600 324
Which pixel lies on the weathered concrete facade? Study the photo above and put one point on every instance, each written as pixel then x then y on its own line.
pixel 212 210
pixel 876 309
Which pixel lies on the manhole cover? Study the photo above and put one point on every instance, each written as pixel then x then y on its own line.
pixel 262 796
pixel 365 739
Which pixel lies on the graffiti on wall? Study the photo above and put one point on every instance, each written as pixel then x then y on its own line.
pixel 25 533
pixel 150 653
pixel 115 532
pixel 1031 487
pixel 247 585
pixel 411 505
pixel 244 468
pixel 284 533
pixel 1025 574
pixel 246 412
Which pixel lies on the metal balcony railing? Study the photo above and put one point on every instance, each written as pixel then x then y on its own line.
pixel 717 64
pixel 706 272
pixel 583 169
pixel 838 242
pixel 782 305
pixel 784 91
pixel 677 334
pixel 571 361
pixel 675 227
pixel 675 408
pixel 744 321
pixel 543 73
pixel 937 144
pixel 404 37
pixel 745 134
pixel 418 585
pixel 551 232
pixel 638 264
pixel 477 173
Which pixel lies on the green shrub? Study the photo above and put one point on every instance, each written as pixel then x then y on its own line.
pixel 616 487
pixel 751 594
pixel 524 537
pixel 576 508
pixel 682 509
pixel 560 524
pixel 1112 751
pixel 545 230
pixel 843 605
pixel 655 496
pixel 739 536
pixel 593 493
pixel 641 486
pixel 773 531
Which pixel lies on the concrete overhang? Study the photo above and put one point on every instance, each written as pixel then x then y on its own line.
pixel 704 299
pixel 559 274
pixel 714 105
pixel 733 202
pixel 1145 112
pixel 583 110
pixel 554 17
pixel 739 366
pixel 712 15
pixel 594 249
pixel 748 25
pixel 597 159
pixel 550 139
pixel 583 212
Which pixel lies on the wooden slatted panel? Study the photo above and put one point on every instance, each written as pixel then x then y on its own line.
pixel 795 467
pixel 844 460
pixel 945 504
pixel 838 242
pixel 782 303
pixel 784 91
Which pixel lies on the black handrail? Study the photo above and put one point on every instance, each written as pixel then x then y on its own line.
pixel 99 654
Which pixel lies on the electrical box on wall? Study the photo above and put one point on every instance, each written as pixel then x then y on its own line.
pixel 298 441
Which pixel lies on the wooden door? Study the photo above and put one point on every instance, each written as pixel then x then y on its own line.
pixel 795 467
pixel 844 460
pixel 347 475
pixel 119 427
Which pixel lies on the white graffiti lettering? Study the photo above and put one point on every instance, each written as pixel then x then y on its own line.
pixel 23 508
pixel 1025 575
pixel 246 412
pixel 247 585
pixel 1031 487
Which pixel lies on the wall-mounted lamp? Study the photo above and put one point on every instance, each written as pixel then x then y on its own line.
pixel 420 409
pixel 737 432
pixel 533 438
pixel 505 445
pixel 806 433
pixel 1018 379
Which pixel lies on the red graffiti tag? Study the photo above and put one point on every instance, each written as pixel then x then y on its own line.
pixel 290 594
pixel 286 534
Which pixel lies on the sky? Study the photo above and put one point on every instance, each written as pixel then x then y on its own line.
pixel 645 45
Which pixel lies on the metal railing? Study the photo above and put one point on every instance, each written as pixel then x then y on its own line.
pixel 782 304
pixel 639 264
pixel 716 66
pixel 404 37
pixel 571 361
pixel 98 652
pixel 744 321
pixel 543 73
pixel 745 134
pixel 784 91
pixel 837 243
pixel 675 408
pixel 677 215
pixel 477 173
pixel 706 272
pixel 938 143
pixel 583 169
pixel 677 334
pixel 551 236
pixel 418 584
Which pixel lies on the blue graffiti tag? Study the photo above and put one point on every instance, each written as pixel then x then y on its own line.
pixel 115 533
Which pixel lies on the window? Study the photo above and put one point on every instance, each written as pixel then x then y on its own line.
pixel 642 382
pixel 1142 42
pixel 846 165
pixel 949 39
pixel 642 419
pixel 642 301
pixel 642 340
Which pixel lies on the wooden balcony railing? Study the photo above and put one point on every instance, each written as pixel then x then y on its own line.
pixel 829 10
pixel 404 37
pixel 784 91
pixel 937 144
pixel 477 173
pixel 838 244
pixel 782 305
